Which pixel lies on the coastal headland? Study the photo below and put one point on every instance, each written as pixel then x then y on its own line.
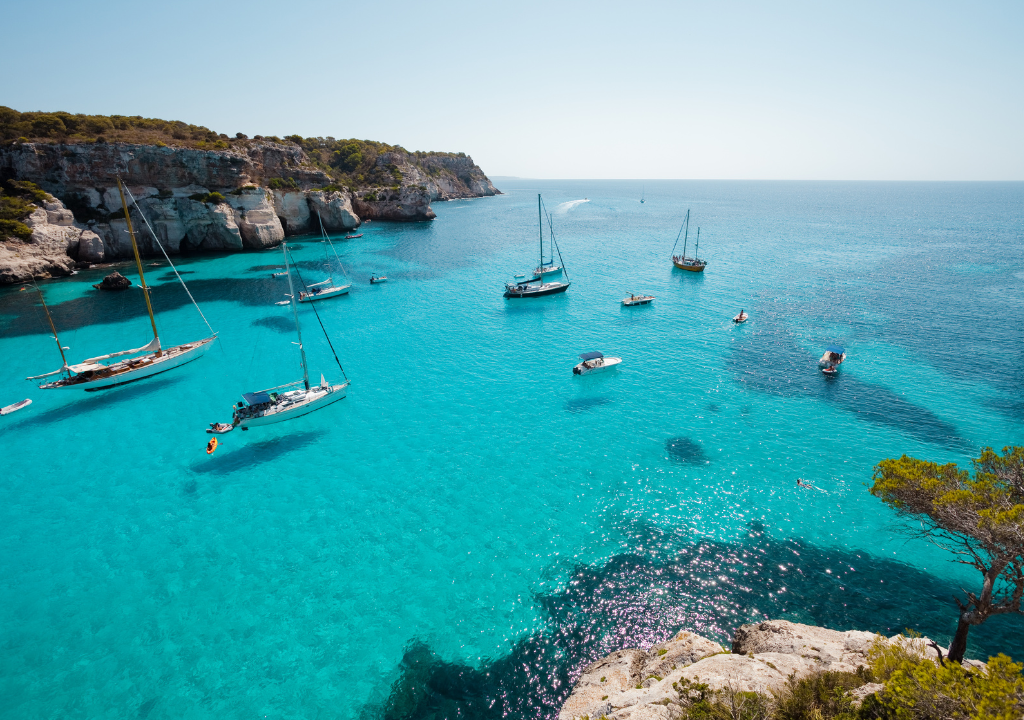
pixel 200 191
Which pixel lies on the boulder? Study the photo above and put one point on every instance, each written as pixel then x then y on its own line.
pixel 685 648
pixel 831 649
pixel 114 281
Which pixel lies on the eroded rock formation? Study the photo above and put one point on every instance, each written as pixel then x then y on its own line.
pixel 198 200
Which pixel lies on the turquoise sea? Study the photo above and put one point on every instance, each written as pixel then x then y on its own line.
pixel 473 524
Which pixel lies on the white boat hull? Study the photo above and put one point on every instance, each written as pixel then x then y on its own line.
pixel 170 358
pixel 15 407
pixel 324 294
pixel 607 363
pixel 547 270
pixel 316 398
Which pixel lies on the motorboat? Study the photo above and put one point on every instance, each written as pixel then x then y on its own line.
pixel 536 286
pixel 832 359
pixel 594 362
pixel 741 318
pixel 374 280
pixel 633 300
pixel 14 407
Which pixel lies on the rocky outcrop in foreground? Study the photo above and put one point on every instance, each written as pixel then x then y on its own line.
pixel 201 200
pixel 635 684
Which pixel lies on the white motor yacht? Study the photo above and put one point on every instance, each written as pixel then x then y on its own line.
pixel 595 362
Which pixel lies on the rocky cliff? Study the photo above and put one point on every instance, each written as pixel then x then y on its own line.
pixel 635 684
pixel 249 196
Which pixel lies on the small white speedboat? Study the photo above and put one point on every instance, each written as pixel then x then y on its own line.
pixel 633 300
pixel 832 359
pixel 741 318
pixel 595 362
pixel 374 280
pixel 15 407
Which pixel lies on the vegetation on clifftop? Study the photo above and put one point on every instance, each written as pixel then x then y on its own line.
pixel 16 198
pixel 349 162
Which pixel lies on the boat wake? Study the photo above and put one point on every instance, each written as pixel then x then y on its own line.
pixel 565 207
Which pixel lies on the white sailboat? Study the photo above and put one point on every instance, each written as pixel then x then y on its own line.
pixel 289 401
pixel 93 374
pixel 526 288
pixel 325 288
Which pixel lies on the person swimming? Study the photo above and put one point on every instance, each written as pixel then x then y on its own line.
pixel 800 482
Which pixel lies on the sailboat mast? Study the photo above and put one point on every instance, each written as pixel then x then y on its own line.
pixel 138 264
pixel 696 250
pixel 295 313
pixel 52 326
pixel 540 226
pixel 687 233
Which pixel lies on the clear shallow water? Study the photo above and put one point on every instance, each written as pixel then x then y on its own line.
pixel 473 521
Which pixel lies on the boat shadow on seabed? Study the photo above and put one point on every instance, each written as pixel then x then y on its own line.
pixel 249 455
pixel 102 401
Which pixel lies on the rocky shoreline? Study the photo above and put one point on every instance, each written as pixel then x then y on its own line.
pixel 199 200
pixel 635 684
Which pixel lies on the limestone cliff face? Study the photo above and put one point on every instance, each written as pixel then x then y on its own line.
pixel 56 238
pixel 407 204
pixel 174 189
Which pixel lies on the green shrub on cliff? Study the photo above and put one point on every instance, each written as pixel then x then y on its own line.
pixel 919 688
pixel 213 198
pixel 14 207
pixel 282 183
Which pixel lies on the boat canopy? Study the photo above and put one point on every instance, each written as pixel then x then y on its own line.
pixel 255 398
pixel 836 349
pixel 591 355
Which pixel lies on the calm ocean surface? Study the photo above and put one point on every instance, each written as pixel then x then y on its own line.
pixel 473 524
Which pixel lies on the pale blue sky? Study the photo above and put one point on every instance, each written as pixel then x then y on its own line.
pixel 791 90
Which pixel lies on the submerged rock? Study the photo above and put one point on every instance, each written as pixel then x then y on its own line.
pixel 114 281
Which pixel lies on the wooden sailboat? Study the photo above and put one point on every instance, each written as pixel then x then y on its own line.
pixel 285 402
pixel 692 264
pixel 524 289
pixel 92 374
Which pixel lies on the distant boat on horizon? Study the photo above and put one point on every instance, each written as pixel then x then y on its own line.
pixel 643 193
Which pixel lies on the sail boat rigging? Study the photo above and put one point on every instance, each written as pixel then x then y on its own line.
pixel 265 407
pixel 693 264
pixel 524 289
pixel 325 288
pixel 92 374
pixel 547 267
